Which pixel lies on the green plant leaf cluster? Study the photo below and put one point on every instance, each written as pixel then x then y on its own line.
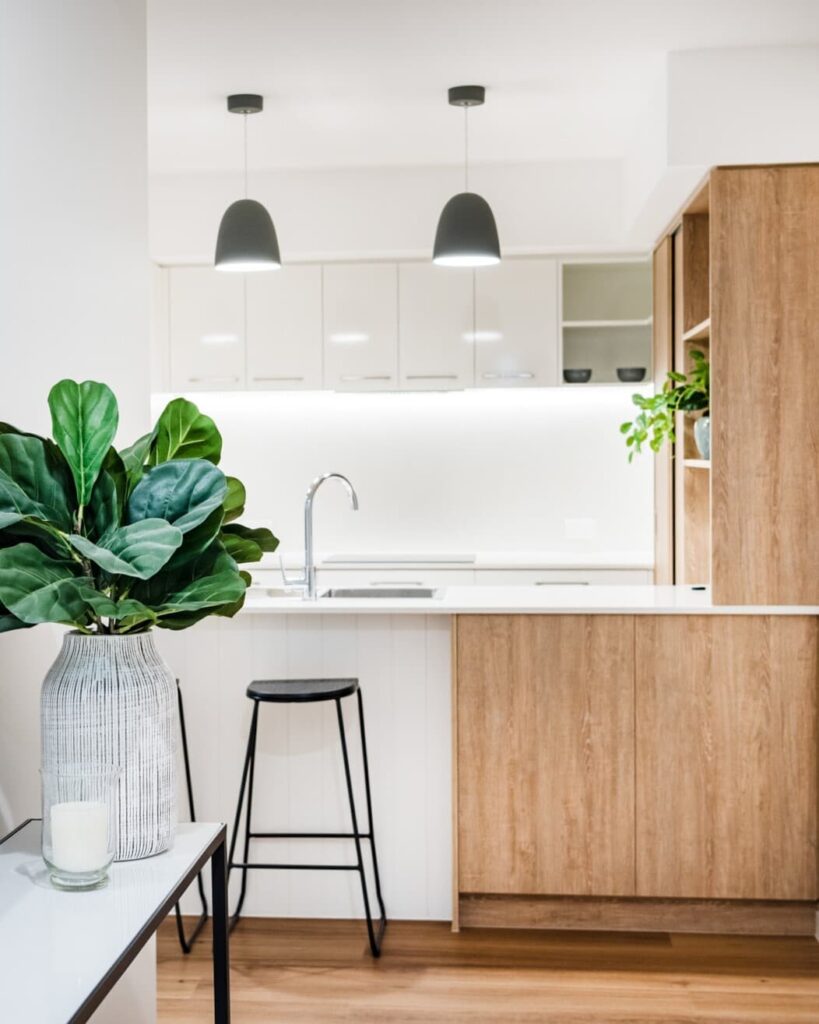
pixel 114 541
pixel 654 424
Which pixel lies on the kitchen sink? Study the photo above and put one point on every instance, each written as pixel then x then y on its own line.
pixel 382 592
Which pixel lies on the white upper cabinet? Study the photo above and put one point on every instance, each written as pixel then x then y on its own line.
pixel 516 324
pixel 207 329
pixel 361 326
pixel 284 329
pixel 435 317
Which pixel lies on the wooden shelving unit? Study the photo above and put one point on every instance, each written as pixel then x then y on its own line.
pixel 699 332
pixel 697 463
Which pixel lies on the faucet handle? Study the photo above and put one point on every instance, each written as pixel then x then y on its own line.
pixel 291 581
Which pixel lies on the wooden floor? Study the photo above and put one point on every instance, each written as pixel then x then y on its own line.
pixel 319 971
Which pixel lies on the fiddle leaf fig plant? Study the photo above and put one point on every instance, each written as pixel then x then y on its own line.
pixel 116 542
pixel 654 424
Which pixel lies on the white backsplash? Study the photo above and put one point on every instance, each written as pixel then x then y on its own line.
pixel 475 471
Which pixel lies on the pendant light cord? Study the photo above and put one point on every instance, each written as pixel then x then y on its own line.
pixel 466 149
pixel 244 118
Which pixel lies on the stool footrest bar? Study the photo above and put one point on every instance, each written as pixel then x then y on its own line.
pixel 311 835
pixel 298 867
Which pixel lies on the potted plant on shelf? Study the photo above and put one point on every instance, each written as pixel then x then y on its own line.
pixel 688 393
pixel 115 543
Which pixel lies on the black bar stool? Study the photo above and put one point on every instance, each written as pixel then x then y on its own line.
pixel 308 691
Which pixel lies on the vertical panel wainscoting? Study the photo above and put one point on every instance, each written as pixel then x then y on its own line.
pixel 403 664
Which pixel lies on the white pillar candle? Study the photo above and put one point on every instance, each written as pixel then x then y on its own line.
pixel 79 836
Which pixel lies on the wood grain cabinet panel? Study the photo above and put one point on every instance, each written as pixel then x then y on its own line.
pixel 726 765
pixel 765 368
pixel 545 790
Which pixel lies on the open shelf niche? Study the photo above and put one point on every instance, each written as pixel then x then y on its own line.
pixel 606 318
pixel 691 330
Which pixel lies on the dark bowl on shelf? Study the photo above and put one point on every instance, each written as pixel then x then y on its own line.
pixel 631 374
pixel 577 376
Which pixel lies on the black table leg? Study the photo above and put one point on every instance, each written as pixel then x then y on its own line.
pixel 221 960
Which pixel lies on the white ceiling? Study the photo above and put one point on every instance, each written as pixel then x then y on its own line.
pixel 363 82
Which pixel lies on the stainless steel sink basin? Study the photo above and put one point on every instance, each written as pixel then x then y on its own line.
pixel 382 592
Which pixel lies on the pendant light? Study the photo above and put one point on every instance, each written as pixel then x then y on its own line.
pixel 247 239
pixel 467 235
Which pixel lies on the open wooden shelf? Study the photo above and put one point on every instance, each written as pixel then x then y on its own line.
pixel 699 332
pixel 697 463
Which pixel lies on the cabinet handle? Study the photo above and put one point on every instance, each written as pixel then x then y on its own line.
pixel 432 376
pixel 278 378
pixel 524 375
pixel 349 377
pixel 211 380
pixel 561 583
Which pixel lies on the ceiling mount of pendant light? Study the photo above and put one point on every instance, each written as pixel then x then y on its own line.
pixel 247 239
pixel 467 235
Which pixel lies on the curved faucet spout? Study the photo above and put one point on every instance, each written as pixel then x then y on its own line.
pixel 309 561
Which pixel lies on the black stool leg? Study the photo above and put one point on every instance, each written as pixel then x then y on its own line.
pixel 186 942
pixel 375 941
pixel 371 828
pixel 247 779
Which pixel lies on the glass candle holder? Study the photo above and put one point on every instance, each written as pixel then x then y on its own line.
pixel 79 823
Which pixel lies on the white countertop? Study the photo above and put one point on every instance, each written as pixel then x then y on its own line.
pixel 524 600
pixel 56 947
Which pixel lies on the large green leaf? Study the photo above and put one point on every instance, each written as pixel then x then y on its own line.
pixel 195 541
pixel 8 622
pixel 260 536
pixel 140 549
pixel 242 549
pixel 206 592
pixel 8 518
pixel 234 499
pixel 183 432
pixel 37 588
pixel 134 458
pixel 183 492
pixel 84 420
pixel 103 513
pixel 34 480
pixel 115 468
pixel 105 607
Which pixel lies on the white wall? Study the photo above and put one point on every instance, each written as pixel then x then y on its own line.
pixel 73 267
pixel 391 211
pixel 472 471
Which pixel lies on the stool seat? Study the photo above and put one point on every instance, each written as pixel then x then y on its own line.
pixel 300 691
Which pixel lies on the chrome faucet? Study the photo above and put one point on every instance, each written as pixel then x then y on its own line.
pixel 308 578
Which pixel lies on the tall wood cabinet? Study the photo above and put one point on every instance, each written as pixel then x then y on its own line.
pixel 745 290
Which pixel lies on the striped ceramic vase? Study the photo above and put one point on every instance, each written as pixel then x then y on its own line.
pixel 112 700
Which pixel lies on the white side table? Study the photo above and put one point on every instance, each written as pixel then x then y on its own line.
pixel 61 953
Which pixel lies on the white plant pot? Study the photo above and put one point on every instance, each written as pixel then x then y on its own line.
pixel 112 700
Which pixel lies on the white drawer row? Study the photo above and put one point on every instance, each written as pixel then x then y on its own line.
pixel 358 327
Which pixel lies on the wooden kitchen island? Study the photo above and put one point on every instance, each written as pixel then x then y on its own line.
pixel 613 757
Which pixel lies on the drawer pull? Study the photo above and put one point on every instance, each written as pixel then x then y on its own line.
pixel 561 583
pixel 212 380
pixel 349 378
pixel 523 375
pixel 396 583
pixel 432 376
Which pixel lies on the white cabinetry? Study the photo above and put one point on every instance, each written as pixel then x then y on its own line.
pixel 435 324
pixel 361 326
pixel 284 329
pixel 206 329
pixel 516 335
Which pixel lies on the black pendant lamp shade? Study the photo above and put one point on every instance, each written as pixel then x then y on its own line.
pixel 247 238
pixel 467 235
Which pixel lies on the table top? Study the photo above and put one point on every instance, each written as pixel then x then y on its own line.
pixel 57 948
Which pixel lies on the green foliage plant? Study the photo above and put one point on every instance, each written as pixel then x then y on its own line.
pixel 654 424
pixel 116 542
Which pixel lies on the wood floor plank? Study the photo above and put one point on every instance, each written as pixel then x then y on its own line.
pixel 294 972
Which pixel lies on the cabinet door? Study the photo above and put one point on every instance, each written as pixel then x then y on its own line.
pixel 545 754
pixel 284 329
pixel 207 329
pixel 361 326
pixel 435 326
pixel 516 328
pixel 726 756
